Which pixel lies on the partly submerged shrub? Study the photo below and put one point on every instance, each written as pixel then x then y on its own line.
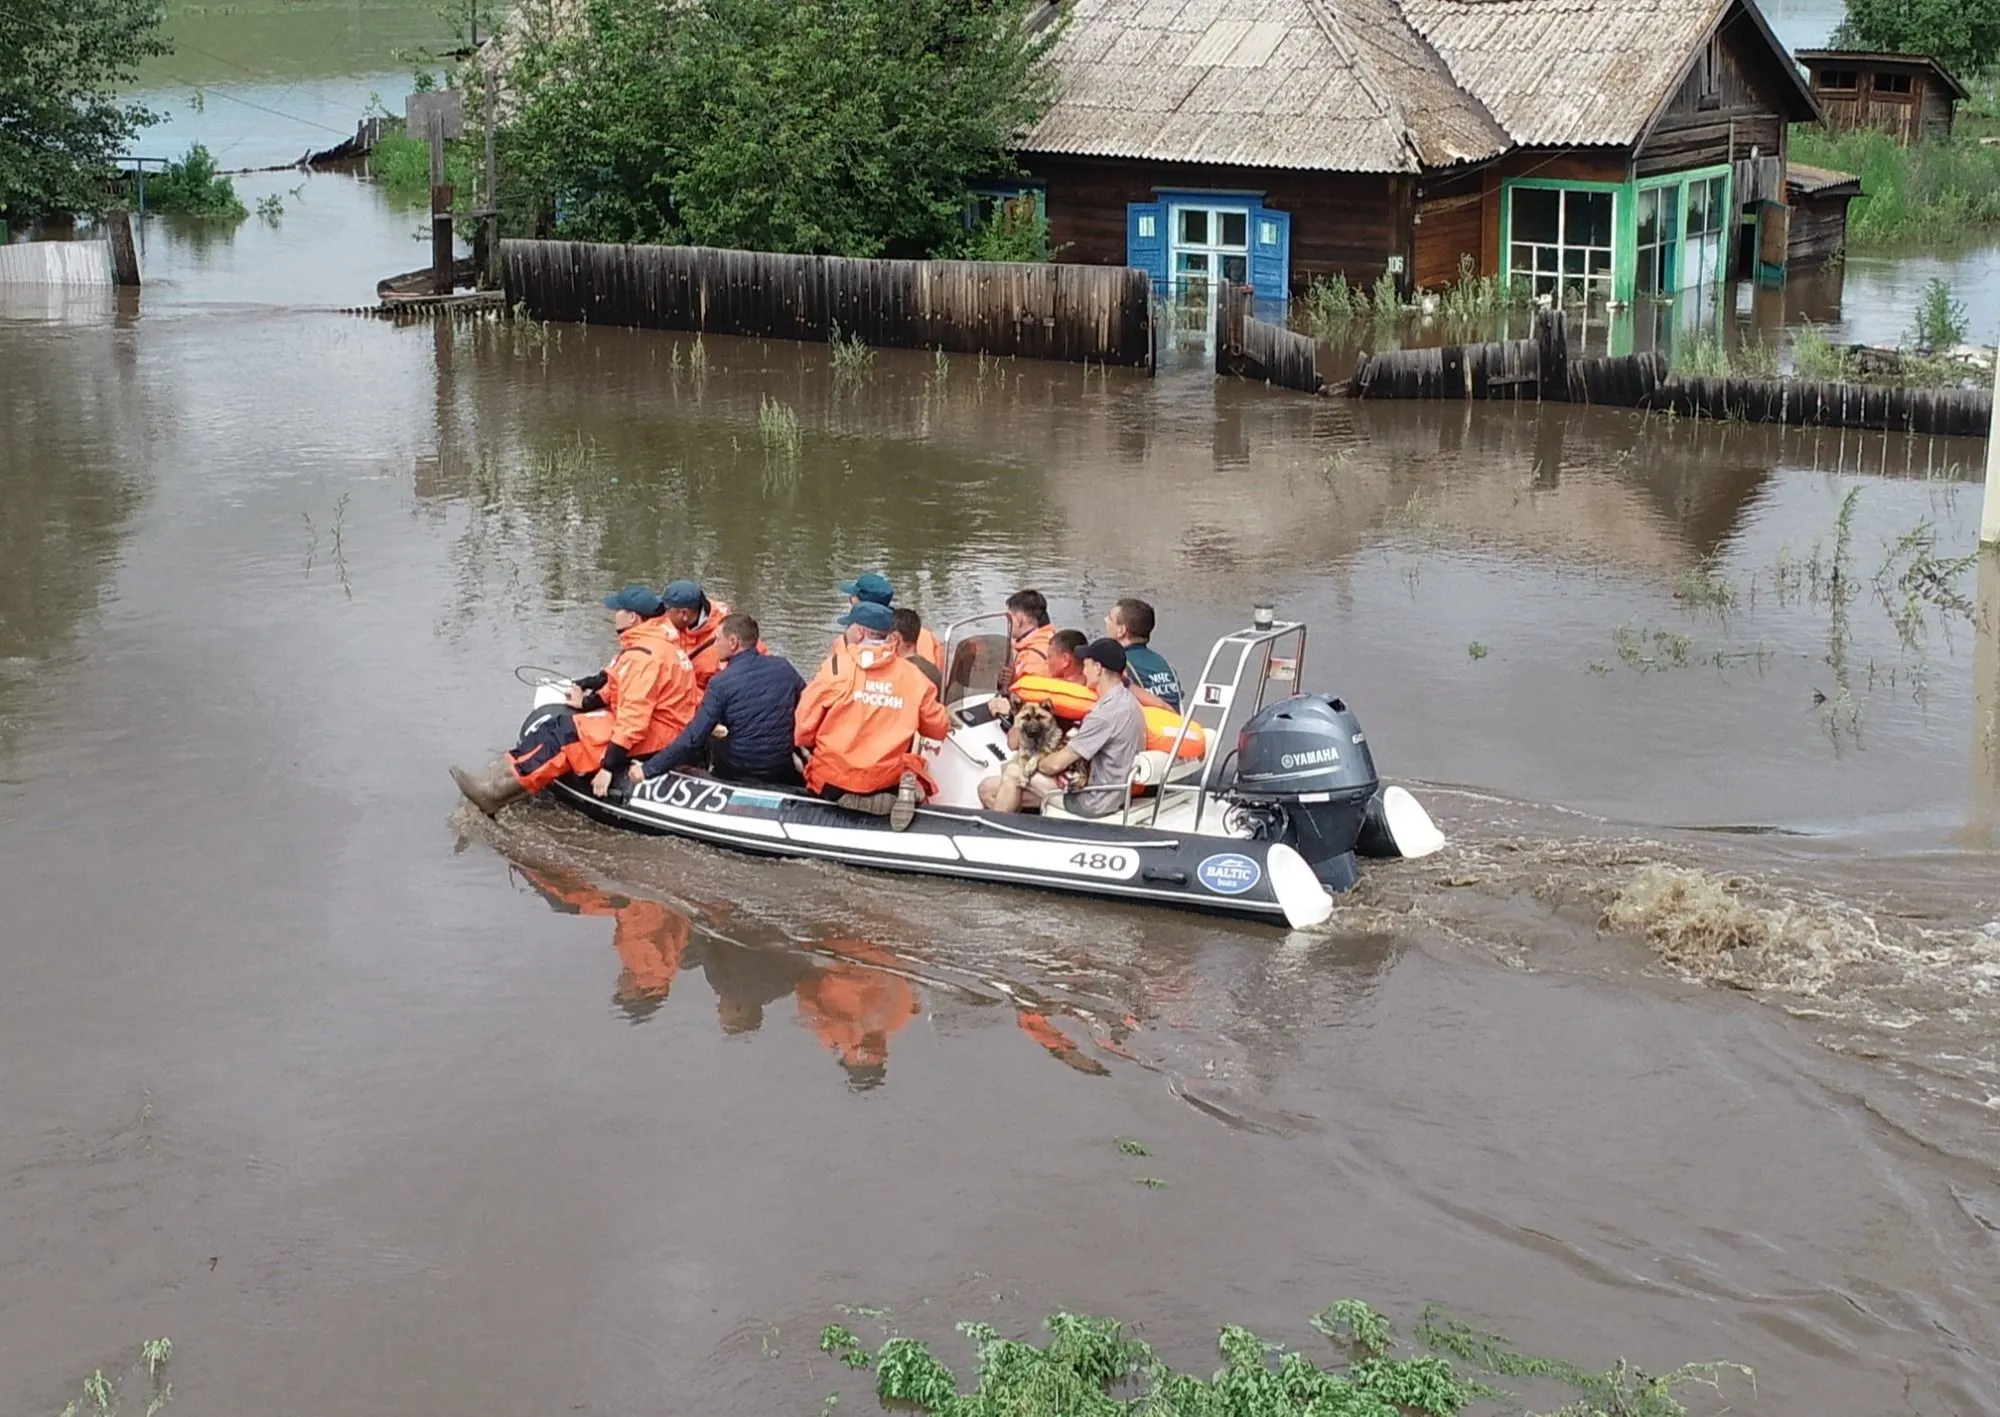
pixel 192 187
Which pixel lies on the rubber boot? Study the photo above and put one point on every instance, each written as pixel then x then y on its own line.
pixel 909 792
pixel 875 804
pixel 493 789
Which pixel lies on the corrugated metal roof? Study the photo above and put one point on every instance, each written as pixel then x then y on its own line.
pixel 1568 72
pixel 1331 85
pixel 1820 181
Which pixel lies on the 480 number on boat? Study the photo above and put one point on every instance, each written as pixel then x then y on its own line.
pixel 1113 863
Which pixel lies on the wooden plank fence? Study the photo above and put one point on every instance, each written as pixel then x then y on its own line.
pixel 1542 369
pixel 1257 349
pixel 1102 314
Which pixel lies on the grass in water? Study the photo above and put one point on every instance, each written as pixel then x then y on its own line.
pixel 108 1396
pixel 1814 356
pixel 778 426
pixel 1090 1367
pixel 1132 1147
pixel 851 357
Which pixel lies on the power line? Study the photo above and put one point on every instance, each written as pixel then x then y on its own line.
pixel 260 107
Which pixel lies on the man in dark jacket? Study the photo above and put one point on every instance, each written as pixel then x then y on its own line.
pixel 748 709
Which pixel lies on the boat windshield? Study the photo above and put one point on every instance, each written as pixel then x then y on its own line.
pixel 977 664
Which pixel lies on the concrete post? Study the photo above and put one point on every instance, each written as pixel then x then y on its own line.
pixel 1989 513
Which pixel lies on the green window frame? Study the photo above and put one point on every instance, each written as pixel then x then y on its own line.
pixel 1567 241
pixel 1682 224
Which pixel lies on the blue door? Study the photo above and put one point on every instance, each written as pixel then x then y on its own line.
pixel 1270 258
pixel 1146 242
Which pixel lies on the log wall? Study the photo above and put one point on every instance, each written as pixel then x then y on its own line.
pixel 1251 348
pixel 1063 312
pixel 1542 369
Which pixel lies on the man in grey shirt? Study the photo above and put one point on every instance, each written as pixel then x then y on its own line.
pixel 1111 735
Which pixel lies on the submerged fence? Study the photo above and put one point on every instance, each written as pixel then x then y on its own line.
pixel 1102 314
pixel 1542 369
pixel 1257 349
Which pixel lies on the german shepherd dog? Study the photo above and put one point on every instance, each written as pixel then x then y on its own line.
pixel 1039 735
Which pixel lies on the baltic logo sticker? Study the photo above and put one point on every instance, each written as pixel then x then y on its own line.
pixel 1229 873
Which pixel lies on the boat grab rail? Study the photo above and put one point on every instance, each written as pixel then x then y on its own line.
pixel 1244 642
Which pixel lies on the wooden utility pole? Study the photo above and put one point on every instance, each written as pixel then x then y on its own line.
pixel 437 115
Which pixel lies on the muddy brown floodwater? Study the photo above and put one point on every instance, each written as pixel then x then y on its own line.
pixel 373 1107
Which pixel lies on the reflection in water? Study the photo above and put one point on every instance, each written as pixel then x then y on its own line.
pixel 1985 834
pixel 651 937
pixel 75 419
pixel 854 995
pixel 854 1007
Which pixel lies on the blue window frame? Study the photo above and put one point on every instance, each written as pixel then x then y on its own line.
pixel 1188 240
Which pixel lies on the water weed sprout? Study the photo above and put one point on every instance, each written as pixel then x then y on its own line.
pixel 851 357
pixel 1090 1367
pixel 778 426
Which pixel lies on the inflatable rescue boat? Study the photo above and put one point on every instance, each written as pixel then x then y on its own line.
pixel 1271 827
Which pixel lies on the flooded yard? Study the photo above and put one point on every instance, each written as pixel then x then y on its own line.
pixel 374 1106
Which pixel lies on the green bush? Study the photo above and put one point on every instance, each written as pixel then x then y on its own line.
pixel 401 166
pixel 1935 190
pixel 192 187
pixel 1940 319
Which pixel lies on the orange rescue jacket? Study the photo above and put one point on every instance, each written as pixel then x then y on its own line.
pixel 859 715
pixel 649 693
pixel 1031 653
pixel 700 643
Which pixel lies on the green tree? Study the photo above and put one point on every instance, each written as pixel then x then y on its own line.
pixel 62 63
pixel 1964 35
pixel 841 127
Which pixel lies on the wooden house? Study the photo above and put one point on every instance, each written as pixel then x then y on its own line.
pixel 1606 148
pixel 1909 96
pixel 1818 199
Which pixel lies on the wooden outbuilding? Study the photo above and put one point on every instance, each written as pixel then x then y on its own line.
pixel 1909 96
pixel 1818 197
pixel 1594 149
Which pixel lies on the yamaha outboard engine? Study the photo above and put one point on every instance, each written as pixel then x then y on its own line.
pixel 1304 776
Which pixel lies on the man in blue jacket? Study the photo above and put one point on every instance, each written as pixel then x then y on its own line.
pixel 748 708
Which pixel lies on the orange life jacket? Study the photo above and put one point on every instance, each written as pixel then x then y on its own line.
pixel 859 715
pixel 1066 699
pixel 1071 702
pixel 649 693
pixel 699 643
pixel 1031 654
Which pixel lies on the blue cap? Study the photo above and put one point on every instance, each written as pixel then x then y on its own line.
pixel 870 615
pixel 683 595
pixel 871 587
pixel 638 599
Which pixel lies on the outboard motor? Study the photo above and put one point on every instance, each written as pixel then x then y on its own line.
pixel 1304 776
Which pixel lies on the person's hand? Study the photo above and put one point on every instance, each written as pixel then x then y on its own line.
pixel 999 706
pixel 636 773
pixel 601 784
pixel 721 731
pixel 573 696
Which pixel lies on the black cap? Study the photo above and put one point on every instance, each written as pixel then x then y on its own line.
pixel 1107 652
